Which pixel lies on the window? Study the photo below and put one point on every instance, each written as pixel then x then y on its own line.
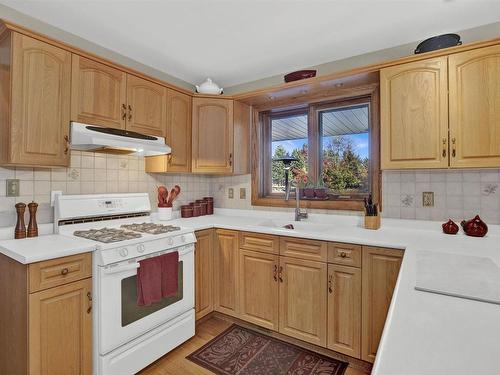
pixel 345 149
pixel 288 138
pixel 335 145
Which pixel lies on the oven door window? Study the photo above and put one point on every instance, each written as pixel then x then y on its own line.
pixel 131 312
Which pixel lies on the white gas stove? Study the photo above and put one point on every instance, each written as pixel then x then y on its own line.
pixel 128 337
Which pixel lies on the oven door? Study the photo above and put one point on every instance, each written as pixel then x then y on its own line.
pixel 120 319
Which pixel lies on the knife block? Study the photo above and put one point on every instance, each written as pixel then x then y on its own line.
pixel 372 222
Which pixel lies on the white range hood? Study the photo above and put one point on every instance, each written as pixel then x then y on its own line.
pixel 85 137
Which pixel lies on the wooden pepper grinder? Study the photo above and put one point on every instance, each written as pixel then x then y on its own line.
pixel 20 231
pixel 32 226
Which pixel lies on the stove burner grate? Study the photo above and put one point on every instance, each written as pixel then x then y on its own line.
pixel 107 235
pixel 151 228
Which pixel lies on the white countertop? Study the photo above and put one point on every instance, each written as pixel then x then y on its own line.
pixel 51 246
pixel 424 334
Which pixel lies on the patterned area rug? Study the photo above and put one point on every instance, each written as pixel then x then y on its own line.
pixel 239 351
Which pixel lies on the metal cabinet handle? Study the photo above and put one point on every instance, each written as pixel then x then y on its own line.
pixel 231 159
pixel 64 271
pixel 275 273
pixel 280 274
pixel 129 112
pixel 89 297
pixel 343 254
pixel 66 147
pixel 124 112
pixel 454 147
pixel 444 147
pixel 330 284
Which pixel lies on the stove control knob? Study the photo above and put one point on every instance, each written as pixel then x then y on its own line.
pixel 183 238
pixel 141 248
pixel 170 241
pixel 123 252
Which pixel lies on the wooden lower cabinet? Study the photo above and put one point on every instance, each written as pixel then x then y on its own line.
pixel 60 330
pixel 49 331
pixel 303 299
pixel 380 269
pixel 204 273
pixel 259 288
pixel 226 280
pixel 344 310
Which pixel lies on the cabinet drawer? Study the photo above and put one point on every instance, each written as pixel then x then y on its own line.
pixel 51 273
pixel 302 248
pixel 259 242
pixel 344 253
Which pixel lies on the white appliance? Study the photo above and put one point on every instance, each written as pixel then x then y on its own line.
pixel 128 337
pixel 96 138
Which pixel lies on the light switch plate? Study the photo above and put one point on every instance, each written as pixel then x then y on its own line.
pixel 12 187
pixel 230 193
pixel 243 193
pixel 428 199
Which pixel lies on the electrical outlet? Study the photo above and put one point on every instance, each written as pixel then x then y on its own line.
pixel 243 193
pixel 428 199
pixel 230 193
pixel 12 188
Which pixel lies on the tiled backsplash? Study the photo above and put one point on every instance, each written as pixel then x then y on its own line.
pixel 91 173
pixel 458 194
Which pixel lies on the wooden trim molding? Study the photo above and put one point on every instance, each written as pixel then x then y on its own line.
pixel 7 25
pixel 297 87
pixel 260 154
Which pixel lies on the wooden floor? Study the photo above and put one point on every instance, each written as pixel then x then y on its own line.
pixel 175 362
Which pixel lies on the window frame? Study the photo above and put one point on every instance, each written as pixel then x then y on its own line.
pixel 262 150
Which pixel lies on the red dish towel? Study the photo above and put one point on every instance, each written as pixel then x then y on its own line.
pixel 169 274
pixel 157 278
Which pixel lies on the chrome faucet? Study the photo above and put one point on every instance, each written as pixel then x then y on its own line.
pixel 299 214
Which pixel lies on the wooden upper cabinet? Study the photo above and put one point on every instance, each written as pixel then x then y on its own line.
pixel 146 106
pixel 60 330
pixel 177 136
pixel 212 135
pixel 380 268
pixel 204 273
pixel 303 299
pixel 474 79
pixel 226 272
pixel 35 88
pixel 98 94
pixel 414 115
pixel 344 310
pixel 259 288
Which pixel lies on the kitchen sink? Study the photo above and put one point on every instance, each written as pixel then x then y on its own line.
pixel 295 226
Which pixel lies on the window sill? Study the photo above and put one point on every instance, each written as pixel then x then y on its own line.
pixel 277 201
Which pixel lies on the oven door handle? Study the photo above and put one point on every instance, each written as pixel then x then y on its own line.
pixel 128 267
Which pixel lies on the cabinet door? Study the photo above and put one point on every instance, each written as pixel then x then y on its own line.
pixel 475 108
pixel 212 135
pixel 146 106
pixel 414 115
pixel 380 272
pixel 344 310
pixel 204 275
pixel 226 272
pixel 259 288
pixel 41 88
pixel 303 298
pixel 60 328
pixel 98 94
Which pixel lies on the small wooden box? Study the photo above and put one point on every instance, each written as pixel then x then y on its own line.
pixel 372 222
